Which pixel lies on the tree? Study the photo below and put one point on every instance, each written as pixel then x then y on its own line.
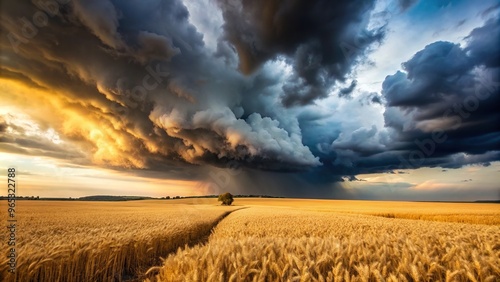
pixel 226 199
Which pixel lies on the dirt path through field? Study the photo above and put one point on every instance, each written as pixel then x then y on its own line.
pixel 203 239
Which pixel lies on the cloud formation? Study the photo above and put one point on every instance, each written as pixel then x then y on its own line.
pixel 269 85
pixel 444 104
pixel 322 39
pixel 151 88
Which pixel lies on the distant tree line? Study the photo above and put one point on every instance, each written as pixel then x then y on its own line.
pixel 128 198
pixel 216 196
pixel 22 197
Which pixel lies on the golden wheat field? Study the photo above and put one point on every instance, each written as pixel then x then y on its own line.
pixel 260 240
pixel 102 241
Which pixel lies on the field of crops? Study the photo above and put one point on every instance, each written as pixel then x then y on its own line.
pixel 261 240
pixel 101 241
pixel 297 243
pixel 446 212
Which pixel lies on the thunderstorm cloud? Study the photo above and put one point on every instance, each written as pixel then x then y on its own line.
pixel 271 87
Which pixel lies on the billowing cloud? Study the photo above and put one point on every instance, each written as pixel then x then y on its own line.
pixel 269 86
pixel 134 84
pixel 439 111
pixel 443 104
pixel 218 134
pixel 101 18
pixel 482 47
pixel 321 39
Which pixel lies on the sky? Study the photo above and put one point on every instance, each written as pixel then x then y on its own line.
pixel 362 99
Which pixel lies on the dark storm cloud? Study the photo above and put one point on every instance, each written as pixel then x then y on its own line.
pixel 321 39
pixel 140 75
pixel 431 74
pixel 440 111
pixel 131 84
pixel 444 106
pixel 482 44
pixel 361 141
